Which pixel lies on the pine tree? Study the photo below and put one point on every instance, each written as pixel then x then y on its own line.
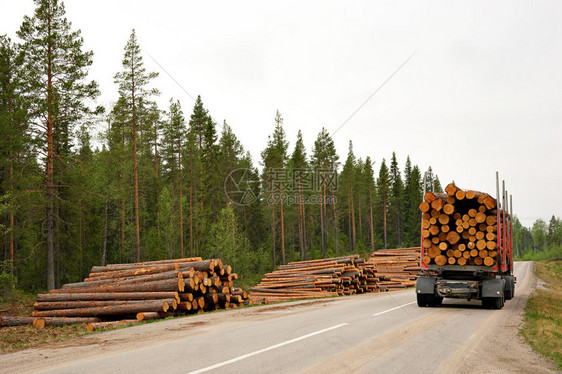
pixel 300 173
pixel 274 159
pixel 325 162
pixel 55 82
pixel 174 139
pixel 412 197
pixel 347 182
pixel 14 136
pixel 369 183
pixel 383 196
pixel 133 81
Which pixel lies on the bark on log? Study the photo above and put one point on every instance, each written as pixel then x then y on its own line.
pixel 52 305
pixel 130 273
pixel 94 326
pixel 61 321
pixel 156 286
pixel 145 316
pixel 149 306
pixel 106 296
pixel 173 274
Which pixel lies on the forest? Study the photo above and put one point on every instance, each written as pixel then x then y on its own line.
pixel 82 185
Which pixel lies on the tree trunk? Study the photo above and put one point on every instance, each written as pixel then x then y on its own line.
pixel 135 172
pixel 156 172
pixel 49 172
pixel 11 218
pixel 57 305
pixel 181 204
pixel 352 217
pixel 149 306
pixel 272 218
pixel 384 222
pixel 282 224
pixel 371 219
pixel 335 223
pixel 54 297
pixel 104 252
pixel 175 285
pixel 323 214
pixel 93 326
pixel 19 321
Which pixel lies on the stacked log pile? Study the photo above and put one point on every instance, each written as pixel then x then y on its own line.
pixel 396 268
pixel 317 278
pixel 459 228
pixel 141 291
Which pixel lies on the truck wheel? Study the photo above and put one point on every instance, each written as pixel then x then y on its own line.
pixel 422 300
pixel 497 302
pixel 438 300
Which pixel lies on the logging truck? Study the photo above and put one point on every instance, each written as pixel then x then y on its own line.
pixel 467 247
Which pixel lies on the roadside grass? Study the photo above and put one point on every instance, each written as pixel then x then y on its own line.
pixel 543 313
pixel 15 338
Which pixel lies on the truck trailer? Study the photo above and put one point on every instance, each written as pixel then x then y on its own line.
pixel 466 247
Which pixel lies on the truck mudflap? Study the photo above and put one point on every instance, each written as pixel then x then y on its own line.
pixel 425 286
pixel 463 289
pixel 493 288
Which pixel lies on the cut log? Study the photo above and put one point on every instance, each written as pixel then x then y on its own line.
pixel 451 189
pixel 156 286
pixel 150 306
pixel 106 296
pixel 440 260
pixel 491 245
pixel 94 326
pixel 448 209
pixel 145 316
pixel 489 261
pixel 132 272
pixel 52 305
pixel 444 219
pixel 453 237
pixel 174 274
pixel 61 321
pixel 424 207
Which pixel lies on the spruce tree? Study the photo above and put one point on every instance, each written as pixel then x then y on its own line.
pixel 56 69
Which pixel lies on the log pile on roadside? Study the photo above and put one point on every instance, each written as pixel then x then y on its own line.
pixel 396 268
pixel 123 293
pixel 338 276
pixel 459 228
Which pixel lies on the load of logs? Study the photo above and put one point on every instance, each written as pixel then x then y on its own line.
pixel 124 293
pixel 459 228
pixel 396 268
pixel 338 276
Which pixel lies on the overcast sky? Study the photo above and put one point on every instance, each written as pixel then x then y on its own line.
pixel 483 91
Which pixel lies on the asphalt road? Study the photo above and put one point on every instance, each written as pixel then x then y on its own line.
pixel 371 333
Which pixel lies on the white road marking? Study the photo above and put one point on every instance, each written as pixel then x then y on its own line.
pixel 215 366
pixel 390 310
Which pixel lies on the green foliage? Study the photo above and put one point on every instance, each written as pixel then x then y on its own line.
pixel 8 281
pixel 543 325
